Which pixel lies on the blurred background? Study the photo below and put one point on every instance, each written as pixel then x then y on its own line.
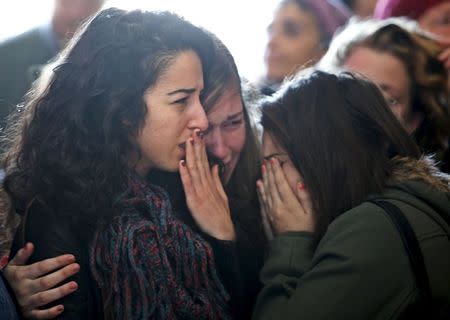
pixel 237 23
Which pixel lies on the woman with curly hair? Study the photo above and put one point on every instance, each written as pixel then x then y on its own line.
pixel 125 99
pixel 404 62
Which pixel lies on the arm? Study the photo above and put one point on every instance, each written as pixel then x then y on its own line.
pixel 345 277
pixel 208 205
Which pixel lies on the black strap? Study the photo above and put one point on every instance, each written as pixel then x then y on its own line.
pixel 411 245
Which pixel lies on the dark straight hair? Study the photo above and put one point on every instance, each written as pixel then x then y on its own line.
pixel 340 135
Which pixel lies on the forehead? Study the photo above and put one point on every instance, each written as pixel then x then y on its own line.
pixel 435 12
pixel 291 11
pixel 184 70
pixel 269 145
pixel 384 69
pixel 228 104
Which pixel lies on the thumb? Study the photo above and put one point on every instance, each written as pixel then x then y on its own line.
pixel 218 182
pixel 23 255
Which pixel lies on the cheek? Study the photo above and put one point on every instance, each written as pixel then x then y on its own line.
pixel 235 140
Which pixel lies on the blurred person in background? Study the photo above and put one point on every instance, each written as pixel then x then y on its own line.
pixel 432 16
pixel 403 61
pixel 22 56
pixel 298 36
pixel 360 8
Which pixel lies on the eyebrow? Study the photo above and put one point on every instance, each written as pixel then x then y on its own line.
pixel 277 154
pixel 188 91
pixel 233 116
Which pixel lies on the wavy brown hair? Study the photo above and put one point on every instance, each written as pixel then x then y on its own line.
pixel 70 142
pixel 418 52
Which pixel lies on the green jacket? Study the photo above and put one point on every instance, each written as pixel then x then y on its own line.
pixel 359 269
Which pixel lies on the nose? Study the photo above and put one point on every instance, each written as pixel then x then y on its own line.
pixel 215 144
pixel 199 119
pixel 272 39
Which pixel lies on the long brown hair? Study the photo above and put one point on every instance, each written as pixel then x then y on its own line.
pixel 341 142
pixel 224 75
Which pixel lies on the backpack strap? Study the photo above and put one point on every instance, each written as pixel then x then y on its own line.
pixel 411 245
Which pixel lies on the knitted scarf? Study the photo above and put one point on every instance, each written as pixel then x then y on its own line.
pixel 150 265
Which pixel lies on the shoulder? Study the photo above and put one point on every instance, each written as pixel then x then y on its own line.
pixel 26 39
pixel 364 235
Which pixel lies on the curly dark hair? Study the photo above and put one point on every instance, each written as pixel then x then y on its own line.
pixel 69 143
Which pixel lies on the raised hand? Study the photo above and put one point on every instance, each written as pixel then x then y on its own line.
pixel 286 210
pixel 205 196
pixel 35 287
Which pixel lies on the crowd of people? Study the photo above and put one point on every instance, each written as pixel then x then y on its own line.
pixel 143 178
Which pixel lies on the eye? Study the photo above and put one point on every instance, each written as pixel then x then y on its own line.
pixel 443 20
pixel 392 101
pixel 291 29
pixel 181 101
pixel 233 124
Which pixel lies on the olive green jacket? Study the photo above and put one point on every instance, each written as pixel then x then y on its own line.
pixel 360 269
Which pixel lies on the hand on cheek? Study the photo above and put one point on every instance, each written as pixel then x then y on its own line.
pixel 205 196
pixel 286 210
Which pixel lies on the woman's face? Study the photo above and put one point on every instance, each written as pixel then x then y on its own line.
pixel 437 20
pixel 294 40
pixel 225 137
pixel 390 74
pixel 173 112
pixel 271 149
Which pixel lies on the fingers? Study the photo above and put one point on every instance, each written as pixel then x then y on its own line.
pixel 22 255
pixel 45 297
pixel 54 278
pixel 266 218
pixel 197 165
pixel 263 200
pixel 445 57
pixel 218 182
pixel 304 198
pixel 200 152
pixel 283 188
pixel 192 165
pixel 186 179
pixel 266 186
pixel 45 314
pixel 38 269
